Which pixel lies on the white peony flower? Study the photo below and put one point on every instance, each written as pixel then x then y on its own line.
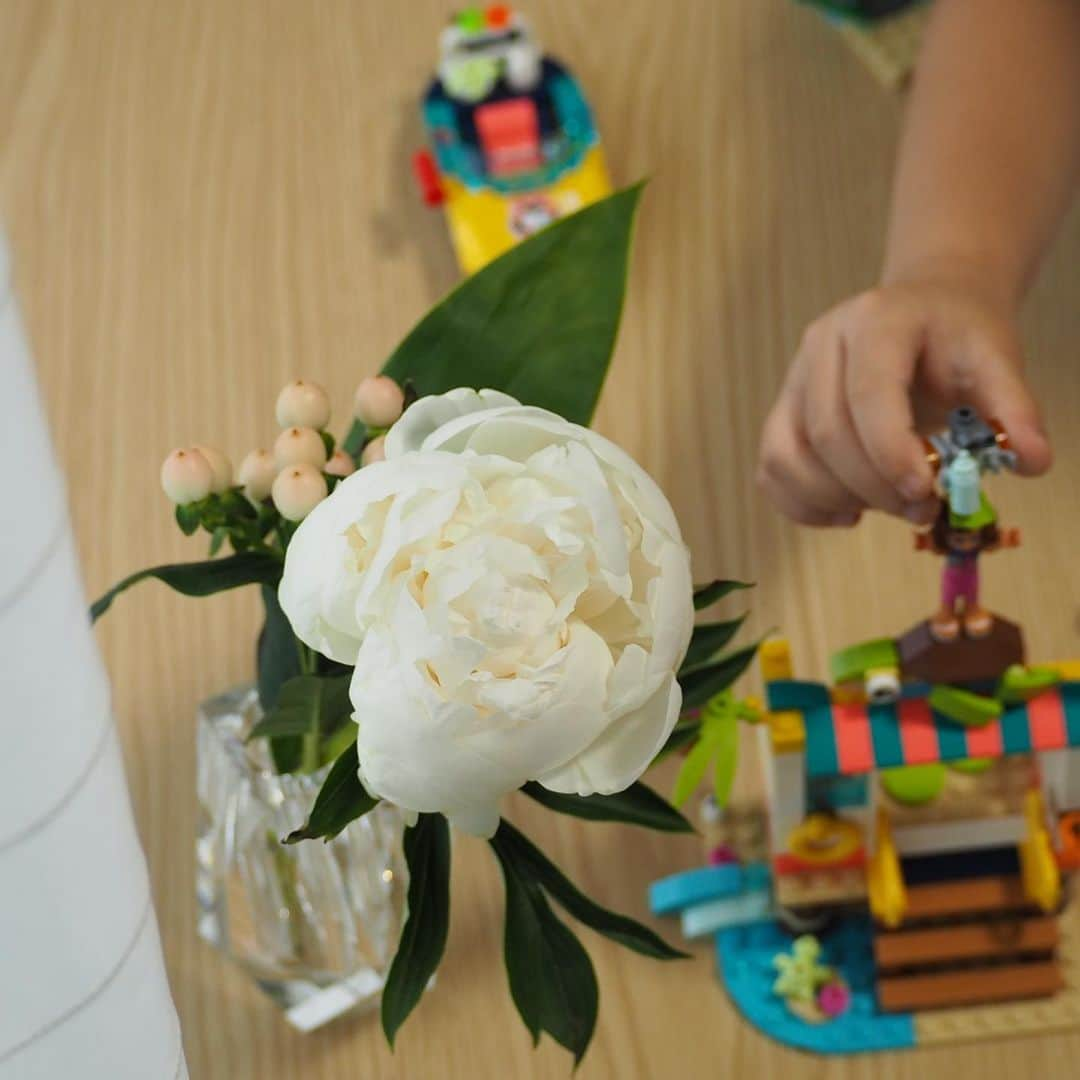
pixel 515 595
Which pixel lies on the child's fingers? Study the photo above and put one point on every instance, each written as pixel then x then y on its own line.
pixel 793 476
pixel 879 372
pixel 1000 392
pixel 831 431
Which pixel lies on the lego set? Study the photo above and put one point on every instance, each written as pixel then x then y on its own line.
pixel 925 806
pixel 513 146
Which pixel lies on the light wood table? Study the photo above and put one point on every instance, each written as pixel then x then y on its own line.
pixel 205 199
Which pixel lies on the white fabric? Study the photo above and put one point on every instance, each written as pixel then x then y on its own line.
pixel 82 984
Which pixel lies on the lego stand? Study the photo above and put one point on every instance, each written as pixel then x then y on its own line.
pixel 906 881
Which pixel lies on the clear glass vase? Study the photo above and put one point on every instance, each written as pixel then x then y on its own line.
pixel 316 924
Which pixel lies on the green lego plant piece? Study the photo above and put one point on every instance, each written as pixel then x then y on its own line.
pixel 800 974
pixel 1022 684
pixel 718 742
pixel 964 707
pixel 914 785
pixel 854 661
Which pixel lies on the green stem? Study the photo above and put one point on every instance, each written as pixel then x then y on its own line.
pixel 309 753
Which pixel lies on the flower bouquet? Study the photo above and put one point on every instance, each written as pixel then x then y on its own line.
pixel 473 594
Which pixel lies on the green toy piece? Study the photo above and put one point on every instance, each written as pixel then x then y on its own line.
pixel 1020 684
pixel 914 785
pixel 977 519
pixel 852 663
pixel 717 742
pixel 800 974
pixel 964 707
pixel 972 766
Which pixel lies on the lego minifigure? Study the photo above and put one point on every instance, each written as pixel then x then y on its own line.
pixel 966 524
pixel 962 545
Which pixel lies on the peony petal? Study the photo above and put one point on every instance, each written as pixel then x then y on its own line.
pixel 430 413
pixel 640 488
pixel 625 749
pixel 671 601
pixel 479 819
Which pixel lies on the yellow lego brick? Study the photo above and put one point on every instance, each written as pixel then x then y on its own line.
pixel 1069 670
pixel 787 732
pixel 775 659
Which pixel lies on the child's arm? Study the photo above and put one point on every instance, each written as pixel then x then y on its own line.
pixel 991 151
pixel 988 164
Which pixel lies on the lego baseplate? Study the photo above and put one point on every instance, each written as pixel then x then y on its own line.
pixel 713 899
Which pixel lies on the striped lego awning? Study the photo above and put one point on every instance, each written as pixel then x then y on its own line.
pixel 847 739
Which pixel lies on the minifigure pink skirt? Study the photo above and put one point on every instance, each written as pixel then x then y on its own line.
pixel 960 582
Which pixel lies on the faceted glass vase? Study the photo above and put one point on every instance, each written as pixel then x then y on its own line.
pixel 316 924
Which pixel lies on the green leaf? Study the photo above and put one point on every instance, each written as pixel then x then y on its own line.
pixel 341 800
pixel 531 862
pixel 353 443
pixel 539 322
pixel 701 683
pixel 636 805
pixel 188 517
pixel 201 578
pixel 277 660
pixel 707 595
pixel 307 705
pixel 727 757
pixel 328 443
pixel 551 976
pixel 219 536
pixel 684 732
pixel 423 937
pixel 693 768
pixel 708 639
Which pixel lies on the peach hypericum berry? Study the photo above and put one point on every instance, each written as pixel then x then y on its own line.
pixel 297 490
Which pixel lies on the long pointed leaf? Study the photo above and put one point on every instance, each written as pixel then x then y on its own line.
pixel 532 862
pixel 539 322
pixel 200 578
pixel 341 800
pixel 703 682
pixel 423 937
pixel 636 805
pixel 708 639
pixel 707 595
pixel 552 980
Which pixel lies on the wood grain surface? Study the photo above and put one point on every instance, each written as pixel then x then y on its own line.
pixel 204 199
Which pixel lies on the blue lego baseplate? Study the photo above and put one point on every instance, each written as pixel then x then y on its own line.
pixel 745 956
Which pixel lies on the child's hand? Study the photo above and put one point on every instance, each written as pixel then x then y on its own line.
pixel 872 372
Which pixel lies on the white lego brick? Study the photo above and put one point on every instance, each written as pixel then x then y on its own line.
pixel 935 838
pixel 765 758
pixel 1060 771
pixel 787 803
pixel 1053 770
